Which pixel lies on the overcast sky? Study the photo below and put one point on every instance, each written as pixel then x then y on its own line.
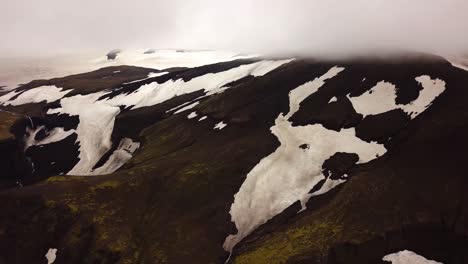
pixel 261 26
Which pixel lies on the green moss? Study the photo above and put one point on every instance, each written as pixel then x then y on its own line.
pixel 112 184
pixel 73 207
pixel 318 235
pixel 57 179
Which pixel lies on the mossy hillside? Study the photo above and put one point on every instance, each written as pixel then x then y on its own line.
pixel 6 121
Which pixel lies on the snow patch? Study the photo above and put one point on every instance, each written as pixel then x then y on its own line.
pixel 202 118
pixel 382 98
pixel 333 99
pixel 185 108
pixel 36 95
pixel 266 68
pixel 54 135
pixel 119 157
pixel 220 125
pixel 408 257
pixel 192 115
pixel 163 59
pixel 150 75
pixel 51 255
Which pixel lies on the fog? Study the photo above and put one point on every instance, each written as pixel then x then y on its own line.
pixel 316 27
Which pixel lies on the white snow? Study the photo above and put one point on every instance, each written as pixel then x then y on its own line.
pixel 460 66
pixel 333 99
pixel 288 174
pixel 266 68
pixel 94 129
pixel 192 115
pixel 150 75
pixel 163 59
pixel 54 135
pixel 202 118
pixel 36 95
pixel 155 93
pixel 408 257
pixel 118 158
pixel 382 98
pixel 7 97
pixel 185 108
pixel 457 61
pixel 51 255
pixel 220 125
pixel 298 95
pixel 156 74
pixel 97 117
pixel 115 71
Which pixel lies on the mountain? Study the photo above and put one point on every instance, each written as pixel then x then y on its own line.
pixel 246 160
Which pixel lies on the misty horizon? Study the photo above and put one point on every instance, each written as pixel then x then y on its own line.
pixel 317 28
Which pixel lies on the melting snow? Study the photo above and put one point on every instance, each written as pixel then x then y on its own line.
pixel 55 135
pixel 192 115
pixel 120 156
pixel 94 129
pixel 190 106
pixel 333 99
pixel 35 95
pixel 97 117
pixel 155 93
pixel 150 75
pixel 408 257
pixel 382 98
pixel 202 118
pixel 220 125
pixel 51 255
pixel 288 174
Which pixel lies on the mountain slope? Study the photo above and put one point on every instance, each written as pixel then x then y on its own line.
pixel 171 202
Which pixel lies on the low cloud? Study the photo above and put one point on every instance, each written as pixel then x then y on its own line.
pixel 315 27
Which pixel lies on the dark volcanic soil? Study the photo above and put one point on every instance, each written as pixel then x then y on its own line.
pixel 171 202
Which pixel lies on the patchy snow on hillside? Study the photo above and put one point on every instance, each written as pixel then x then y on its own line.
pixel 150 75
pixel 164 59
pixel 288 174
pixel 51 255
pixel 187 107
pixel 333 99
pixel 36 95
pixel 155 93
pixel 382 98
pixel 94 129
pixel 408 257
pixel 97 117
pixel 54 135
pixel 192 115
pixel 220 125
pixel 119 157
